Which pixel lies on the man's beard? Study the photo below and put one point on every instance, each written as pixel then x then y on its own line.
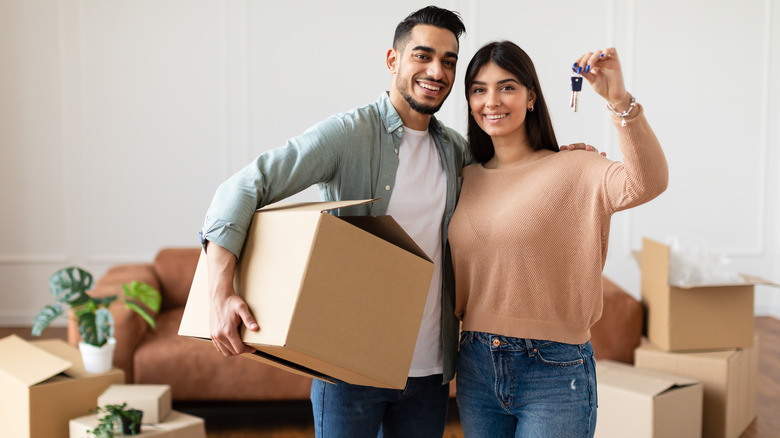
pixel 415 105
pixel 420 108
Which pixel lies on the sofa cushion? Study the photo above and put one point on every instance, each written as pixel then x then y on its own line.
pixel 196 371
pixel 175 267
pixel 619 331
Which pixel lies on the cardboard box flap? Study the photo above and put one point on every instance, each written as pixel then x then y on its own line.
pixel 292 366
pixel 642 381
pixel 317 207
pixel 27 363
pixel 65 351
pixel 386 228
pixel 752 279
pixel 654 262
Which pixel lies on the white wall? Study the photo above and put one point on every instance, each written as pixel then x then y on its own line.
pixel 118 119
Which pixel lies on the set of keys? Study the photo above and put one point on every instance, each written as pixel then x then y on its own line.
pixel 576 87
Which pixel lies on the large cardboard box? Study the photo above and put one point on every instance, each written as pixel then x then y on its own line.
pixel 729 378
pixel 176 425
pixel 646 404
pixel 335 297
pixel 43 385
pixel 154 400
pixel 691 318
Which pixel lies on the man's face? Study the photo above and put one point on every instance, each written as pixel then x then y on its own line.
pixel 424 68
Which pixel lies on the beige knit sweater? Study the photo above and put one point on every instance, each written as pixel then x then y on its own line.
pixel 529 243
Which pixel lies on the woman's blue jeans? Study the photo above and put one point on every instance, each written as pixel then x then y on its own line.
pixel 512 387
pixel 346 411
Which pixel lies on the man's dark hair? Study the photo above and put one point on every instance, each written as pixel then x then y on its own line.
pixel 433 16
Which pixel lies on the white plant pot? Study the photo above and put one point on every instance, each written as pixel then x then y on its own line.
pixel 97 359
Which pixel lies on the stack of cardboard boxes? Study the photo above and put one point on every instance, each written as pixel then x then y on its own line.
pixel 46 393
pixel 43 385
pixel 703 333
pixel 159 420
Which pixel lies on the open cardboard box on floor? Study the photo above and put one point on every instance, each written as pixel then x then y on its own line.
pixel 729 378
pixel 690 318
pixel 640 403
pixel 335 297
pixel 43 385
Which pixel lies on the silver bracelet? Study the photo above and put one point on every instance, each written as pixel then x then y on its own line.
pixel 625 113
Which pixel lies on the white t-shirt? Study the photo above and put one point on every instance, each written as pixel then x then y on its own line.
pixel 417 204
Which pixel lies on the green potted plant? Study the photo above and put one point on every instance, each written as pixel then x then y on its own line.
pixel 113 419
pixel 69 287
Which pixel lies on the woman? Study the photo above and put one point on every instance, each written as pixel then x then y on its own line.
pixel 529 242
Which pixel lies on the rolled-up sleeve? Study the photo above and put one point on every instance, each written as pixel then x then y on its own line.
pixel 311 158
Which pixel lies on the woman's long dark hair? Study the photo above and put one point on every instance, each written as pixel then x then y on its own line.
pixel 513 59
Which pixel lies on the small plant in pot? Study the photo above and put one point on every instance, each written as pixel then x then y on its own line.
pixel 69 287
pixel 117 420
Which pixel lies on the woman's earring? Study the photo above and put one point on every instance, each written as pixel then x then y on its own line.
pixel 530 109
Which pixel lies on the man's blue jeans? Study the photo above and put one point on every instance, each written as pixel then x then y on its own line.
pixel 512 387
pixel 344 410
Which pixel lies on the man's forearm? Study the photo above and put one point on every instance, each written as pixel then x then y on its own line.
pixel 222 266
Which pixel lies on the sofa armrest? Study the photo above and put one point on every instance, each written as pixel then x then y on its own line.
pixel 129 327
pixel 617 334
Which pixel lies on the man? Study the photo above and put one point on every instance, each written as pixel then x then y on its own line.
pixel 391 149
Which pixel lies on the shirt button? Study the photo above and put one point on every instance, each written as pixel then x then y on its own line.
pixel 496 342
pixel 396 151
pixel 387 187
pixel 401 129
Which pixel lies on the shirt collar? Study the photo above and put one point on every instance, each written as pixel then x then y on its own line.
pixel 392 120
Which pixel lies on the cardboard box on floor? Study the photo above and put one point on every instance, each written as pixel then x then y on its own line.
pixel 646 404
pixel 43 385
pixel 729 378
pixel 176 425
pixel 154 400
pixel 691 318
pixel 335 297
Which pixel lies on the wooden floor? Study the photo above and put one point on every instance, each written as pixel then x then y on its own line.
pixel 293 419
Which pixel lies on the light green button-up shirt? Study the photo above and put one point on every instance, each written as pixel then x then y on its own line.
pixel 351 155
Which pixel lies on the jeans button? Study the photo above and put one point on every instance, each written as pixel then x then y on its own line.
pixel 496 342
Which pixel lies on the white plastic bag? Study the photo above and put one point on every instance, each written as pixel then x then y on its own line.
pixel 694 263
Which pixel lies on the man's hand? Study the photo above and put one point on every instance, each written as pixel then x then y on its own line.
pixel 583 146
pixel 228 310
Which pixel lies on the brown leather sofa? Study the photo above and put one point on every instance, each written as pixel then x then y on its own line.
pixel 197 372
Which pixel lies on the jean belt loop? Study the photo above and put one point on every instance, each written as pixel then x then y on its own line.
pixel 529 347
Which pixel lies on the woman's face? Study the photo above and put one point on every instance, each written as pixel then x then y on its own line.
pixel 499 102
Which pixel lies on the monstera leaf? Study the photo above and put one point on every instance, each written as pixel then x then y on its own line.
pixel 70 286
pixel 45 317
pixel 149 296
pixel 96 327
pixel 144 293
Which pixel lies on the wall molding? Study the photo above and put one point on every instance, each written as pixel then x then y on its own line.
pixel 759 248
pixel 25 319
pixel 35 259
